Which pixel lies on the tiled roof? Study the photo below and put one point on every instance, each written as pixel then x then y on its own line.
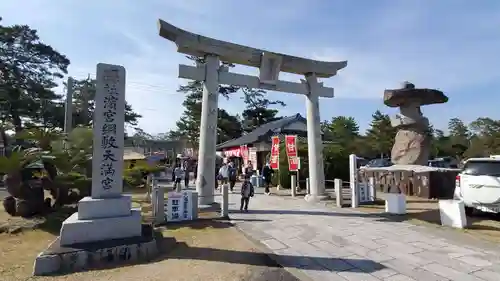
pixel 300 138
pixel 265 131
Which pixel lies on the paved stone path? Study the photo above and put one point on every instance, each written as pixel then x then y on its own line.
pixel 323 243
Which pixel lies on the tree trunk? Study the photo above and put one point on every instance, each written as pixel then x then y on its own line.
pixel 18 125
pixel 4 140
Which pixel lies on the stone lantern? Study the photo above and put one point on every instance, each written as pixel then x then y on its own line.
pixel 412 141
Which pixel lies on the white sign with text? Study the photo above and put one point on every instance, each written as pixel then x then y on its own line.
pixel 179 206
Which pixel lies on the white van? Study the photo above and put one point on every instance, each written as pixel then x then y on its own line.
pixel 478 185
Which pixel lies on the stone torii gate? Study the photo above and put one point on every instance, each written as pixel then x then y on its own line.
pixel 212 73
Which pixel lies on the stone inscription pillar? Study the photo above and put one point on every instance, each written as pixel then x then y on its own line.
pixel 314 141
pixel 109 130
pixel 205 182
pixel 107 214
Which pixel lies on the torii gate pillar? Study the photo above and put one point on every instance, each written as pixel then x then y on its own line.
pixel 314 140
pixel 205 183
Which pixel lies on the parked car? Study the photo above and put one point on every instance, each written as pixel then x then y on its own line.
pixel 377 163
pixel 443 162
pixel 478 185
pixel 360 162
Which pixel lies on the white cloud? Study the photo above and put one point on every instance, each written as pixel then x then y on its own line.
pixel 458 52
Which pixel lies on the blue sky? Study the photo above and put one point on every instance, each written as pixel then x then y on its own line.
pixel 451 45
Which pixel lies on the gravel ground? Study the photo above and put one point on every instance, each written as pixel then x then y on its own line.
pixel 206 251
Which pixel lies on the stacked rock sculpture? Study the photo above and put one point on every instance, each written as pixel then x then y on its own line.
pixel 412 141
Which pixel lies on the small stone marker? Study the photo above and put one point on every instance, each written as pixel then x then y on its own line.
pixel 452 213
pixel 395 203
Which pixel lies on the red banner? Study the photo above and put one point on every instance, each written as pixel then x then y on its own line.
pixel 233 152
pixel 291 152
pixel 274 162
pixel 244 154
pixel 293 163
pixel 291 145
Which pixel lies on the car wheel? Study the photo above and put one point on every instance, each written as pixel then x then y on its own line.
pixel 469 211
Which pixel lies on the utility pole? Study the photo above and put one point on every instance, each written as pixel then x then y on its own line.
pixel 68 107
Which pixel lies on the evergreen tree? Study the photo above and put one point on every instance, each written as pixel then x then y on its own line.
pixel 29 70
pixel 381 134
pixel 257 111
pixel 341 129
pixel 458 131
pixel 188 126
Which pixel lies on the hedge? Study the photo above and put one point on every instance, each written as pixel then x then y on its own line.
pixel 336 165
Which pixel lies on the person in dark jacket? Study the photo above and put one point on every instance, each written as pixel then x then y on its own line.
pixel 249 169
pixel 232 176
pixel 247 191
pixel 267 174
pixel 186 166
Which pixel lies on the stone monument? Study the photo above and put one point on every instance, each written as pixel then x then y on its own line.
pixel 105 228
pixel 107 214
pixel 412 141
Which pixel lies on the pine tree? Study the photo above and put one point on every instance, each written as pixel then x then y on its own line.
pixel 257 111
pixel 188 126
pixel 29 69
pixel 381 134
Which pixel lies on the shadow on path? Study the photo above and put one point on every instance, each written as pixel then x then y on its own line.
pixel 430 216
pixel 183 251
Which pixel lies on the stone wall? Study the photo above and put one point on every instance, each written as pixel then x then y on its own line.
pixel 429 185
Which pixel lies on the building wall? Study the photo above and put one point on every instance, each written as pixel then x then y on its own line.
pixel 262 146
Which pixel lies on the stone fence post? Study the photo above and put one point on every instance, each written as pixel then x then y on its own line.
pixel 158 202
pixel 293 185
pixel 224 211
pixel 308 190
pixel 338 192
pixel 353 180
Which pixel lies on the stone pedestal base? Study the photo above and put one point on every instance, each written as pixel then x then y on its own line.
pixel 116 252
pixel 75 230
pixel 312 198
pixel 395 204
pixel 91 208
pixel 208 200
pixel 452 213
pixel 101 219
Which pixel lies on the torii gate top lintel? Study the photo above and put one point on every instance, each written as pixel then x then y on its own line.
pixel 197 45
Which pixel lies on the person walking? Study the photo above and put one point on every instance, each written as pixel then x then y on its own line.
pixel 217 176
pixel 224 174
pixel 179 175
pixel 232 176
pixel 195 170
pixel 187 170
pixel 249 169
pixel 267 174
pixel 247 191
